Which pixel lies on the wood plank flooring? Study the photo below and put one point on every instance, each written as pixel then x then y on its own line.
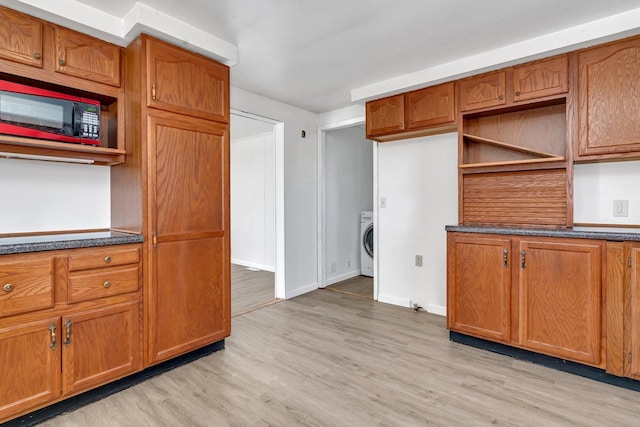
pixel 359 285
pixel 331 359
pixel 250 289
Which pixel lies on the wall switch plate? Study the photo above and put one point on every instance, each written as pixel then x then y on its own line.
pixel 418 260
pixel 621 208
pixel 334 267
pixel 383 202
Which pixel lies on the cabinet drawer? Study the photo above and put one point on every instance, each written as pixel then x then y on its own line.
pixel 103 257
pixel 102 283
pixel 25 285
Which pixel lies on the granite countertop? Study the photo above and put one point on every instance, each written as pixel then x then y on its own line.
pixel 617 234
pixel 52 242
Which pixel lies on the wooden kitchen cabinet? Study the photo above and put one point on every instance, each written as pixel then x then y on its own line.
pixel 86 57
pixel 632 311
pixel 174 188
pixel 609 100
pixel 560 288
pixel 544 296
pixel 21 38
pixel 100 345
pixel 186 83
pixel 431 106
pixel 541 78
pixel 189 301
pixel 26 283
pixel 479 286
pixel 30 361
pixel 385 116
pixel 486 90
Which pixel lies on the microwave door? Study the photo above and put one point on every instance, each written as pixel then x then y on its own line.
pixel 31 112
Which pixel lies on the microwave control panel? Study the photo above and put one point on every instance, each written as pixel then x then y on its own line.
pixel 89 122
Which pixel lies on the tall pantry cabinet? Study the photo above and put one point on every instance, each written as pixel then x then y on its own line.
pixel 174 188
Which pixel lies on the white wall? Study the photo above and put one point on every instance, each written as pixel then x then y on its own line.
pixel 48 196
pixel 348 191
pixel 597 185
pixel 300 186
pixel 253 199
pixel 419 179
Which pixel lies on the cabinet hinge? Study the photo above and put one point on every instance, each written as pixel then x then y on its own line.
pixel 154 240
pixel 629 262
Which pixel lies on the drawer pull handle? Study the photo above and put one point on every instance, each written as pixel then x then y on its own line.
pixel 106 284
pixel 67 328
pixel 8 287
pixel 153 91
pixel 505 257
pixel 54 342
pixel 107 259
pixel 523 259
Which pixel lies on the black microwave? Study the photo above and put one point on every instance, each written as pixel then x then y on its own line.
pixel 43 114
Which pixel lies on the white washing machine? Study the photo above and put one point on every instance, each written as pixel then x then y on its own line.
pixel 366 243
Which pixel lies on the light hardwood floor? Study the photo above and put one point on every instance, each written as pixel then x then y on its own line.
pixel 359 285
pixel 331 359
pixel 250 289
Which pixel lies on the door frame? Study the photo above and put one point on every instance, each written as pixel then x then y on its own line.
pixel 321 214
pixel 278 129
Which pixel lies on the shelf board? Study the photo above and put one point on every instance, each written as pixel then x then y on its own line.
pixel 37 149
pixel 513 162
pixel 546 156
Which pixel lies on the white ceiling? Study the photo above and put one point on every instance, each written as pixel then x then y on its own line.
pixel 312 53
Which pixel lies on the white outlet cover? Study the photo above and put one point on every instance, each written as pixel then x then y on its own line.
pixel 621 208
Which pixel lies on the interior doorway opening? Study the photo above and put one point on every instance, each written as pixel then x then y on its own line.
pixel 257 277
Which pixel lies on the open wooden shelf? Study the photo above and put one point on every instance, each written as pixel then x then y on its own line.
pixel 513 147
pixel 37 149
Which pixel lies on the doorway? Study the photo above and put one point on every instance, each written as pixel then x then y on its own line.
pixel 346 210
pixel 255 210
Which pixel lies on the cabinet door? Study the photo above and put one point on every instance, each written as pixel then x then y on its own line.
pixel 86 57
pixel 479 286
pixel 100 345
pixel 186 83
pixel 29 366
pixel 26 283
pixel 632 360
pixel 541 78
pixel 484 91
pixel 560 299
pixel 431 106
pixel 20 38
pixel 188 298
pixel 609 99
pixel 385 115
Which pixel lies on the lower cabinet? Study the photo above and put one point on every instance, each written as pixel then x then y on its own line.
pixel 48 354
pixel 541 294
pixel 632 327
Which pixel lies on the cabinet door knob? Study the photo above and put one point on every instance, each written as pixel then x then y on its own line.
pixel 501 97
pixel 107 259
pixel 106 284
pixel 37 55
pixel 8 287
pixel 62 62
pixel 518 93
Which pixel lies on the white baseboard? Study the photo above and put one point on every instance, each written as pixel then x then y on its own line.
pixel 253 265
pixel 403 302
pixel 340 278
pixel 302 290
pixel 437 309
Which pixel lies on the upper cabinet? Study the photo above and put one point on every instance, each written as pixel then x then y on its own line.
pixel 20 38
pixel 528 82
pixel 385 116
pixel 487 90
pixel 430 106
pixel 420 112
pixel 609 100
pixel 186 83
pixel 82 56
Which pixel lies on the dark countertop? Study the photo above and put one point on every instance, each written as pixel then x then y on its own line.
pixel 617 234
pixel 52 242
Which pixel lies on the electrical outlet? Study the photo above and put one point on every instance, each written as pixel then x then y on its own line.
pixel 334 267
pixel 383 202
pixel 349 263
pixel 418 260
pixel 621 208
